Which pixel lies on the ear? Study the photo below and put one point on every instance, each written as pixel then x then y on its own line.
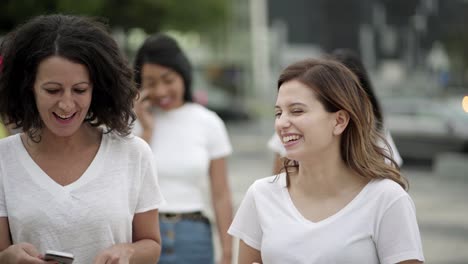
pixel 341 122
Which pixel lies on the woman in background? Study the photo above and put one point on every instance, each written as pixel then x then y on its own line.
pixel 190 143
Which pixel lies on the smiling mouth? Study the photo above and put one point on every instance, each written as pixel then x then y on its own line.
pixel 290 139
pixel 64 117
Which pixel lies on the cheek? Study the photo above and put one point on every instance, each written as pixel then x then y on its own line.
pixel 42 103
pixel 178 88
pixel 85 101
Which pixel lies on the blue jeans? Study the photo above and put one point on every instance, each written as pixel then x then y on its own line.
pixel 186 241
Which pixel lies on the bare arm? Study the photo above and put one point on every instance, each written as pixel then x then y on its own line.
pixel 221 196
pixel 5 240
pixel 19 253
pixel 146 237
pixel 412 261
pixel 248 254
pixel 146 246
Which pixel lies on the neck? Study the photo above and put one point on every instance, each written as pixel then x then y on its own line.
pixel 52 144
pixel 325 175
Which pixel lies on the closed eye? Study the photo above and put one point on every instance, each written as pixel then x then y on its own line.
pixel 52 91
pixel 80 91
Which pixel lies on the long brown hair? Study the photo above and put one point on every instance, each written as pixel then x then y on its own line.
pixel 337 88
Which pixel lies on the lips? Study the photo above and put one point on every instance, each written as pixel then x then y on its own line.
pixel 64 118
pixel 165 102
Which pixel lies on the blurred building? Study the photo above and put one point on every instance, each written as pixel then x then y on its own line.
pixel 378 29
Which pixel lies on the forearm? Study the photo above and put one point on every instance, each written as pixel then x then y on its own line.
pixel 223 211
pixel 2 257
pixel 145 251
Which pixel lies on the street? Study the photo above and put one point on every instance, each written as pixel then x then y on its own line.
pixel 441 201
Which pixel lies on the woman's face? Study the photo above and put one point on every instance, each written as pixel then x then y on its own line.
pixel 63 92
pixel 165 86
pixel 302 123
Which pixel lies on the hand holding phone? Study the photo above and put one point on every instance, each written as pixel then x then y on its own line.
pixel 60 257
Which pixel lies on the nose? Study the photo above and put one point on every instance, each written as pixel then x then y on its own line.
pixel 66 102
pixel 282 122
pixel 157 92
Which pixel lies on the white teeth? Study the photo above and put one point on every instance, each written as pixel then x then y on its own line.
pixel 64 116
pixel 290 138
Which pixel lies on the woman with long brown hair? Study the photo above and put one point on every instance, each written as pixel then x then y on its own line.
pixel 338 200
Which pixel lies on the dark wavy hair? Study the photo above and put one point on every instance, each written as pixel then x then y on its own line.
pixel 338 88
pixel 82 40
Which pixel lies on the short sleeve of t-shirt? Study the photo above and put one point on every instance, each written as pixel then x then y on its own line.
pixel 3 210
pixel 218 140
pixel 246 223
pixel 149 197
pixel 4 152
pixel 398 237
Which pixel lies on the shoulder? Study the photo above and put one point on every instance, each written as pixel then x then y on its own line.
pixel 202 112
pixel 386 192
pixel 269 184
pixel 131 143
pixel 7 142
pixel 387 187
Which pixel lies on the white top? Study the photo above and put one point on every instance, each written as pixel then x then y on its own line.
pixel 89 215
pixel 378 226
pixel 184 142
pixel 275 145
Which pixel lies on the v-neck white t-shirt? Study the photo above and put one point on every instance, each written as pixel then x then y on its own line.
pixel 378 226
pixel 89 215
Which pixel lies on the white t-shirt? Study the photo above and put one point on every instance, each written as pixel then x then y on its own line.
pixel 184 142
pixel 275 145
pixel 89 215
pixel 378 226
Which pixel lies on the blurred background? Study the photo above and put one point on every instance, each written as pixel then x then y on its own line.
pixel 416 52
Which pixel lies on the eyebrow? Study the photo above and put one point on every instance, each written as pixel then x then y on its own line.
pixel 167 73
pixel 292 104
pixel 163 75
pixel 59 84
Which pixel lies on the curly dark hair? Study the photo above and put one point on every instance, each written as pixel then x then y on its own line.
pixel 82 40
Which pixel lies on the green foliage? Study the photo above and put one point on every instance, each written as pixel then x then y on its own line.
pixel 151 15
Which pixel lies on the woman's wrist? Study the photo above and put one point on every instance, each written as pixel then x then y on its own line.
pixel 4 257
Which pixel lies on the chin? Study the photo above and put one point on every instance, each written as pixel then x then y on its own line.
pixel 292 156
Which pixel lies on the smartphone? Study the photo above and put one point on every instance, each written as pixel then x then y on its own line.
pixel 60 257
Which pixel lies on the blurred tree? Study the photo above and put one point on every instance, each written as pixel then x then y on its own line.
pixel 151 15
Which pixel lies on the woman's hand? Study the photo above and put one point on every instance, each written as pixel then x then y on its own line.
pixel 143 111
pixel 117 254
pixel 21 253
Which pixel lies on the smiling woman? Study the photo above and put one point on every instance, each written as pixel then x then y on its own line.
pixel 74 180
pixel 190 143
pixel 63 94
pixel 338 195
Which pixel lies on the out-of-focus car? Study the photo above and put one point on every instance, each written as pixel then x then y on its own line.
pixel 423 128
